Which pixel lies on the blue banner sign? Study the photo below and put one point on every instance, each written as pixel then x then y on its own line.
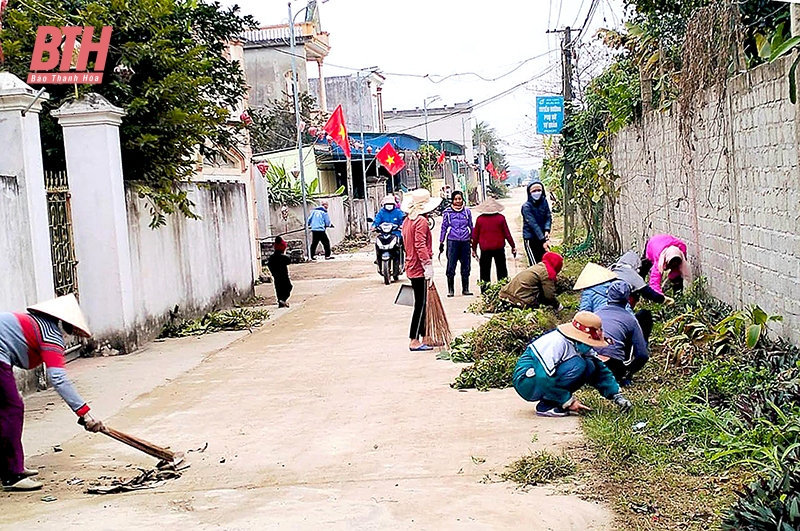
pixel 549 114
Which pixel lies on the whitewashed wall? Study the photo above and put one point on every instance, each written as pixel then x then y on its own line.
pixel 195 264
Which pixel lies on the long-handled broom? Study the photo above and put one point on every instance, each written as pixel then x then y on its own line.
pixel 167 457
pixel 436 321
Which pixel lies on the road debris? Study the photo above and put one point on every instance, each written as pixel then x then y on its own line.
pixel 48 499
pixel 148 479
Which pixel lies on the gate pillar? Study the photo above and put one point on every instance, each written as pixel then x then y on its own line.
pixel 99 215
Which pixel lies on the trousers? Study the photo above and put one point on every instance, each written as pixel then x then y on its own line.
pixel 485 262
pixel 534 249
pixel 317 237
pixel 570 375
pixel 458 251
pixel 12 415
pixel 418 324
pixel 624 369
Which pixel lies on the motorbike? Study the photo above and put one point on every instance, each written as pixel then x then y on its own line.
pixel 389 249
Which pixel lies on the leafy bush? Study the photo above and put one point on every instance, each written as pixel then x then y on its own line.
pixel 536 469
pixel 769 504
pixel 489 300
pixel 495 347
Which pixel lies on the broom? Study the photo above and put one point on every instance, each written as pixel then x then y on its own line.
pixel 437 327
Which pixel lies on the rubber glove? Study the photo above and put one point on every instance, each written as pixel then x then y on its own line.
pixel 90 423
pixel 622 403
pixel 669 301
pixel 428 271
pixel 441 247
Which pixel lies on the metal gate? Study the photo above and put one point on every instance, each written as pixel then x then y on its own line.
pixel 65 278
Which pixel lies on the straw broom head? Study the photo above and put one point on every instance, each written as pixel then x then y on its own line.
pixel 436 321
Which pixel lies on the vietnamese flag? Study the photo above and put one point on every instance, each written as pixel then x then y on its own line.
pixel 337 129
pixel 503 175
pixel 440 160
pixel 491 170
pixel 390 159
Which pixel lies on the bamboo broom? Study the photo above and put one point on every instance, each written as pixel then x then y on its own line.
pixel 437 327
pixel 167 456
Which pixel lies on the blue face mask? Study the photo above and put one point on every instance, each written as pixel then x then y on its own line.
pixel 389 207
pixel 582 348
pixel 536 196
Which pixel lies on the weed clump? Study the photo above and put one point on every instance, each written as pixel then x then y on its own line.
pixel 235 319
pixel 540 468
pixel 489 300
pixel 495 346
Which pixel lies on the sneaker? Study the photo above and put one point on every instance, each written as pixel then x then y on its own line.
pixel 544 409
pixel 23 484
pixel 329 258
pixel 283 304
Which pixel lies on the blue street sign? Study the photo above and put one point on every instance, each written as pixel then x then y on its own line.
pixel 549 114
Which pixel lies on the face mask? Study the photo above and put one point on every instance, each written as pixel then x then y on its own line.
pixel 389 207
pixel 582 348
pixel 536 196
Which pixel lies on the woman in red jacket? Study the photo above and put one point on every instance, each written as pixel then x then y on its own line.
pixel 491 234
pixel 418 244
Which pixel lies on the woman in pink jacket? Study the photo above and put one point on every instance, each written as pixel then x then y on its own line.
pixel 418 243
pixel 665 253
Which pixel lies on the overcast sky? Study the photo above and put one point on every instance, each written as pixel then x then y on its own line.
pixel 442 37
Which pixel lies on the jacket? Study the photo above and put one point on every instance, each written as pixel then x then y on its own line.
pixel 319 220
pixel 536 216
pixel 655 246
pixel 491 233
pixel 532 287
pixel 456 225
pixel 278 265
pixel 627 268
pixel 394 216
pixel 594 298
pixel 620 325
pixel 418 245
pixel 544 355
pixel 30 340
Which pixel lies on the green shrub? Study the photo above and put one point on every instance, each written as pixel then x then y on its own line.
pixel 769 504
pixel 493 371
pixel 489 300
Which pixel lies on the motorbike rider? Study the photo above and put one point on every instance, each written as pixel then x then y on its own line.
pixel 389 213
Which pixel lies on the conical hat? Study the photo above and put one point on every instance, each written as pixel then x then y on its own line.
pixel 64 308
pixel 592 275
pixel 489 206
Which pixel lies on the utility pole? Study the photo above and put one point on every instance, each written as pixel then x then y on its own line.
pixel 363 147
pixel 297 121
pixel 569 215
pixel 566 80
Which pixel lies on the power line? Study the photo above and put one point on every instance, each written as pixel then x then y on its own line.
pixel 578 14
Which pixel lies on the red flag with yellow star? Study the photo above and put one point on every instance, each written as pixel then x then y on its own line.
pixel 338 130
pixel 390 158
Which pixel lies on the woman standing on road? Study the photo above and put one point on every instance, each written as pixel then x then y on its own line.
pixel 491 234
pixel 536 222
pixel 418 244
pixel 457 230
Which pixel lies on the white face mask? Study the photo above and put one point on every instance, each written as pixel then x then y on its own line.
pixel 536 196
pixel 389 207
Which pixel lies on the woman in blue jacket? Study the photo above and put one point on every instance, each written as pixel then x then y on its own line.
pixel 536 222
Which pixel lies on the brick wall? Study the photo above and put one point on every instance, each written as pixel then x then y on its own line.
pixel 732 192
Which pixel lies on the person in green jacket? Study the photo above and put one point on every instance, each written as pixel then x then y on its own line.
pixel 557 364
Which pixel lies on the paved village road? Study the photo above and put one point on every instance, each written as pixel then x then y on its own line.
pixel 321 419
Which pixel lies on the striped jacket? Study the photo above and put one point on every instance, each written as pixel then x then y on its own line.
pixel 30 340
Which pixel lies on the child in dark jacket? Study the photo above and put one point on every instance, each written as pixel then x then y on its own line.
pixel 278 264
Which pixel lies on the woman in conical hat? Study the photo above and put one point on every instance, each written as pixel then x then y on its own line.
pixel 28 340
pixel 418 245
pixel 491 233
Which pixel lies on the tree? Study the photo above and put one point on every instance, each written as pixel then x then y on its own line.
pixel 274 127
pixel 166 67
pixel 484 134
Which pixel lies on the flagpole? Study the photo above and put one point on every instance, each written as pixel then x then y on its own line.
pixel 363 159
pixel 299 132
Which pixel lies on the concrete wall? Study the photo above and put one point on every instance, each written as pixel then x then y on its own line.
pixel 195 264
pixel 732 193
pixel 293 223
pixel 268 69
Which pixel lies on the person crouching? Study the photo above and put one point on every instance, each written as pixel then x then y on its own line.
pixel 557 364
